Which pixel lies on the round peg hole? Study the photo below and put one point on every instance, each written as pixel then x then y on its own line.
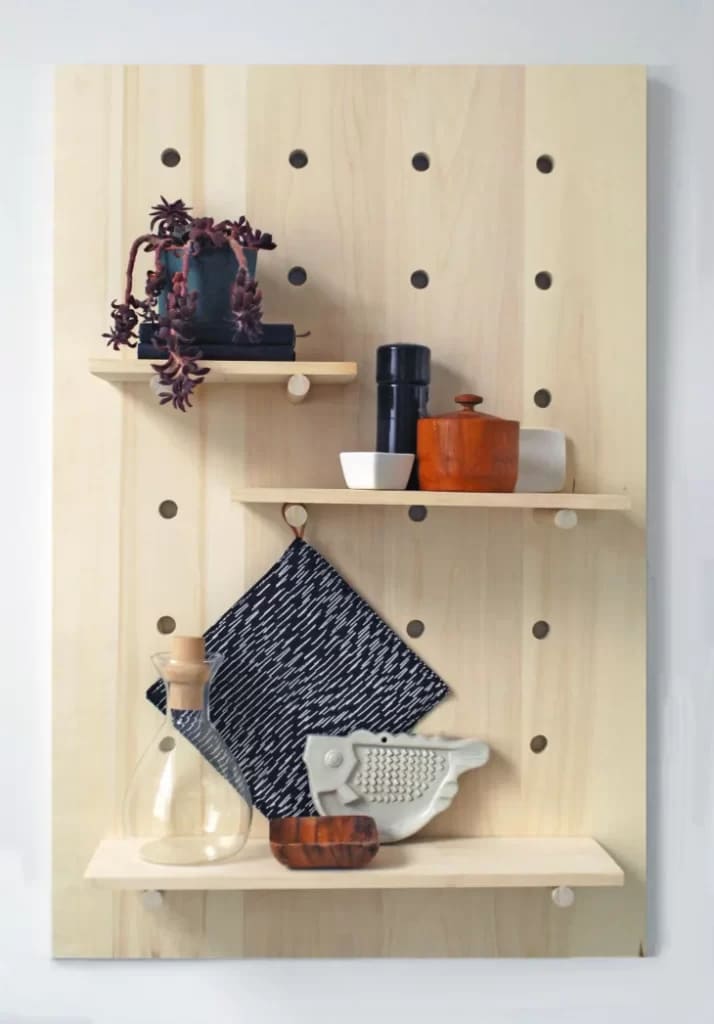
pixel 166 624
pixel 298 159
pixel 418 513
pixel 542 398
pixel 384 739
pixel 166 744
pixel 297 276
pixel 170 157
pixel 543 280
pixel 538 744
pixel 541 629
pixel 419 279
pixel 420 161
pixel 415 628
pixel 545 163
pixel 168 509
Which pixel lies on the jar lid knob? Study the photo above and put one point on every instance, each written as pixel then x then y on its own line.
pixel 468 402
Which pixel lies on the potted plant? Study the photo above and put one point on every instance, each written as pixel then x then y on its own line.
pixel 201 292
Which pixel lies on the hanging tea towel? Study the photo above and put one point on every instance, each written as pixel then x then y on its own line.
pixel 304 653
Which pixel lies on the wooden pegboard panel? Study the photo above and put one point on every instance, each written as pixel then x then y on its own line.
pixel 482 221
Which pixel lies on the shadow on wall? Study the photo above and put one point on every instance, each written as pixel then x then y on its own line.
pixel 660 147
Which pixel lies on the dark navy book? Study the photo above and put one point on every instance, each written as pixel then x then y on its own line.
pixel 277 342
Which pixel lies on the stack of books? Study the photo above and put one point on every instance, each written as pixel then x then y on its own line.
pixel 276 343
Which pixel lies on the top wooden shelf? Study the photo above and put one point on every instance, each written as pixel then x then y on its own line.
pixel 128 371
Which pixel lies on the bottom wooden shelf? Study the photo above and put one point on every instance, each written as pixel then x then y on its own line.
pixel 463 863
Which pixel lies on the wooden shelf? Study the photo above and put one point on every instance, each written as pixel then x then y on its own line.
pixel 128 371
pixel 491 863
pixel 447 499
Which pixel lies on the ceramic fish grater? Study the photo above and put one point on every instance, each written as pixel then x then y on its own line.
pixel 402 781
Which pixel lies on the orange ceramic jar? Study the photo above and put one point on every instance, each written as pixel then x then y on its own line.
pixel 467 450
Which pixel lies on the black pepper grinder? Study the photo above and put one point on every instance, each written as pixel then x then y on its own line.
pixel 402 395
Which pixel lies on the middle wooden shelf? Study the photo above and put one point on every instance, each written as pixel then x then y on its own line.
pixel 445 499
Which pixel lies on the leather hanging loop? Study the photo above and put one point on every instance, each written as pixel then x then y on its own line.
pixel 296 518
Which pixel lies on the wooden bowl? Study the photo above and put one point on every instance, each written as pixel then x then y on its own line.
pixel 347 841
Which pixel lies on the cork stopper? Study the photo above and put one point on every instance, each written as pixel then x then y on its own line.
pixel 188 648
pixel 187 672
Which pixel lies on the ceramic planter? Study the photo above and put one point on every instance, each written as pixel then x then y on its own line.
pixel 211 274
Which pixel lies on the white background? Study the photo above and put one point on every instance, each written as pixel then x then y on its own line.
pixel 677 40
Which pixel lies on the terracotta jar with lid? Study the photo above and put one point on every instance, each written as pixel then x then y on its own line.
pixel 467 450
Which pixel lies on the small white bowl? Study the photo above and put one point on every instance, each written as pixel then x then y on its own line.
pixel 376 471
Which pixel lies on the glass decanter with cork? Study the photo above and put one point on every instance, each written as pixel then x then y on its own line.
pixel 188 802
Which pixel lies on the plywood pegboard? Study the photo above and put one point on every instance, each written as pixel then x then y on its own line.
pixel 482 221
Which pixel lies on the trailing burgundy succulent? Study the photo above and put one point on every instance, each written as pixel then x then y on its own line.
pixel 246 306
pixel 124 320
pixel 169 220
pixel 249 238
pixel 173 227
pixel 180 374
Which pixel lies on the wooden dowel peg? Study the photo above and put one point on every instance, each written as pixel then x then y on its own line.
pixel 566 518
pixel 152 899
pixel 563 518
pixel 298 387
pixel 296 518
pixel 563 896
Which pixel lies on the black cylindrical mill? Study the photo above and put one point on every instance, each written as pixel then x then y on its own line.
pixel 402 396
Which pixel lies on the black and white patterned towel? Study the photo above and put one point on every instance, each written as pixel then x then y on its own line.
pixel 304 653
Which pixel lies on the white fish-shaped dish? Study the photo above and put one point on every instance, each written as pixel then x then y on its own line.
pixel 402 781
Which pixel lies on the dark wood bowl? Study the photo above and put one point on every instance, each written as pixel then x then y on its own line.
pixel 345 841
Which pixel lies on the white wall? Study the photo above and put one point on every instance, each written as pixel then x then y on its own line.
pixel 675 39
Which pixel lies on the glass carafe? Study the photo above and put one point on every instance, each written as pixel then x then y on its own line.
pixel 188 801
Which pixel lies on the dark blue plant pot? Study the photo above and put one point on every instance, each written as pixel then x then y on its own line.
pixel 211 274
